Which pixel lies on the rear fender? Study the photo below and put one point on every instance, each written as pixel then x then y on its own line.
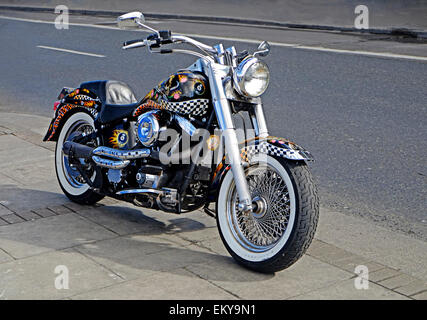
pixel 70 102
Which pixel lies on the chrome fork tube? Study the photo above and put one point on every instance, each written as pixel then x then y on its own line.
pixel 261 123
pixel 216 73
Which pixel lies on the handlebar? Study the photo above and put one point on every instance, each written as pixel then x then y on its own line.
pixel 156 40
pixel 134 44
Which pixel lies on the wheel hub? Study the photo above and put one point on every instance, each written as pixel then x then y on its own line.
pixel 259 207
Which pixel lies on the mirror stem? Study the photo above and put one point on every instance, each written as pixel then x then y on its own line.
pixel 149 28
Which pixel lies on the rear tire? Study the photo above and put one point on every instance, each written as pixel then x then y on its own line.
pixel 283 234
pixel 71 184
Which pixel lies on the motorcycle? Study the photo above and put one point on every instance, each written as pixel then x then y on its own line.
pixel 177 149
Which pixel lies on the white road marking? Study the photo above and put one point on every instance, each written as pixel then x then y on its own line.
pixel 73 51
pixel 279 44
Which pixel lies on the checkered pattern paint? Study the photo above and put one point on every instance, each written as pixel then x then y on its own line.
pixel 195 107
pixel 266 148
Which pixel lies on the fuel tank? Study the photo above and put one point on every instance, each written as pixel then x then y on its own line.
pixel 185 92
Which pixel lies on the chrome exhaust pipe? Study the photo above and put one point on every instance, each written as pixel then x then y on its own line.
pixel 121 154
pixel 118 158
pixel 141 191
pixel 111 164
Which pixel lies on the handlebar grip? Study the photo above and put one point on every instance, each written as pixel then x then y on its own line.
pixel 164 51
pixel 129 42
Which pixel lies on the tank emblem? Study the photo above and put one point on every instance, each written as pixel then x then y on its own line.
pixel 119 138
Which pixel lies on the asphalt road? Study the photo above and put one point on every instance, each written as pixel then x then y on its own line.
pixel 363 118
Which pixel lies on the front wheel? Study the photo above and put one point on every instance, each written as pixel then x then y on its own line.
pixel 282 225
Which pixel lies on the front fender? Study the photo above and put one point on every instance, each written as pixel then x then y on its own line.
pixel 273 146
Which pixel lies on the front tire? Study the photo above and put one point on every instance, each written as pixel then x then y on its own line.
pixel 274 238
pixel 69 179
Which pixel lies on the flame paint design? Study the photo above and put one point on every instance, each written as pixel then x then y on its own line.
pixel 119 139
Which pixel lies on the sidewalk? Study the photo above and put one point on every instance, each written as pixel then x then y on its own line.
pixel 117 251
pixel 326 14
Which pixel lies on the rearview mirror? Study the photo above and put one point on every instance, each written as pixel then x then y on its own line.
pixel 130 20
pixel 263 49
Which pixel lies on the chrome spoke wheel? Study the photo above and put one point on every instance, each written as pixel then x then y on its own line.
pixel 72 175
pixel 260 230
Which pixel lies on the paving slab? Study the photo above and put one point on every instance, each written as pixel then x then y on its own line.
pixel 200 235
pixel 132 256
pixel 7 181
pixel 4 257
pixel 12 218
pixel 420 296
pixel 383 274
pixel 398 281
pixel 18 122
pixel 327 252
pixel 35 171
pixel 374 242
pixel 304 276
pixel 44 212
pixel 48 234
pixel 19 152
pixel 412 288
pixel 28 215
pixel 215 245
pixel 346 290
pixel 180 284
pixel 190 221
pixel 122 220
pixel 31 197
pixel 34 277
pixel 352 262
pixel 4 211
pixel 59 209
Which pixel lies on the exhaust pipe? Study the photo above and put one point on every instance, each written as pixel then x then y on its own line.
pixel 121 154
pixel 141 191
pixel 77 150
pixel 119 158
pixel 110 164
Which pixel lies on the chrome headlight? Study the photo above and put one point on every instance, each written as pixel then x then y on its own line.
pixel 251 77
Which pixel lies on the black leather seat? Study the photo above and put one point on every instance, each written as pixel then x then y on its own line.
pixel 118 99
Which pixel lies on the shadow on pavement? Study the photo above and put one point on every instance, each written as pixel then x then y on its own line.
pixel 129 241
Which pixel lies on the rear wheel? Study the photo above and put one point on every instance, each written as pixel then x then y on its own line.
pixel 281 227
pixel 70 180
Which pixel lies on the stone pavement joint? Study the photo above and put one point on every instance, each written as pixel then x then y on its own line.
pixel 12 218
pixel 28 215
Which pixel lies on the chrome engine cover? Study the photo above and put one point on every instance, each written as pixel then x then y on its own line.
pixel 148 128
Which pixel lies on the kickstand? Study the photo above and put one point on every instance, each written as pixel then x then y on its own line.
pixel 209 212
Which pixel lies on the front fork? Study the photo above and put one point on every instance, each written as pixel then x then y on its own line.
pixel 216 73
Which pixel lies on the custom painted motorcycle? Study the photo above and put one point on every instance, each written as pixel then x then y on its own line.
pixel 173 150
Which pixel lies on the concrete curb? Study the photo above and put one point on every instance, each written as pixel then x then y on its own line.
pixel 231 20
